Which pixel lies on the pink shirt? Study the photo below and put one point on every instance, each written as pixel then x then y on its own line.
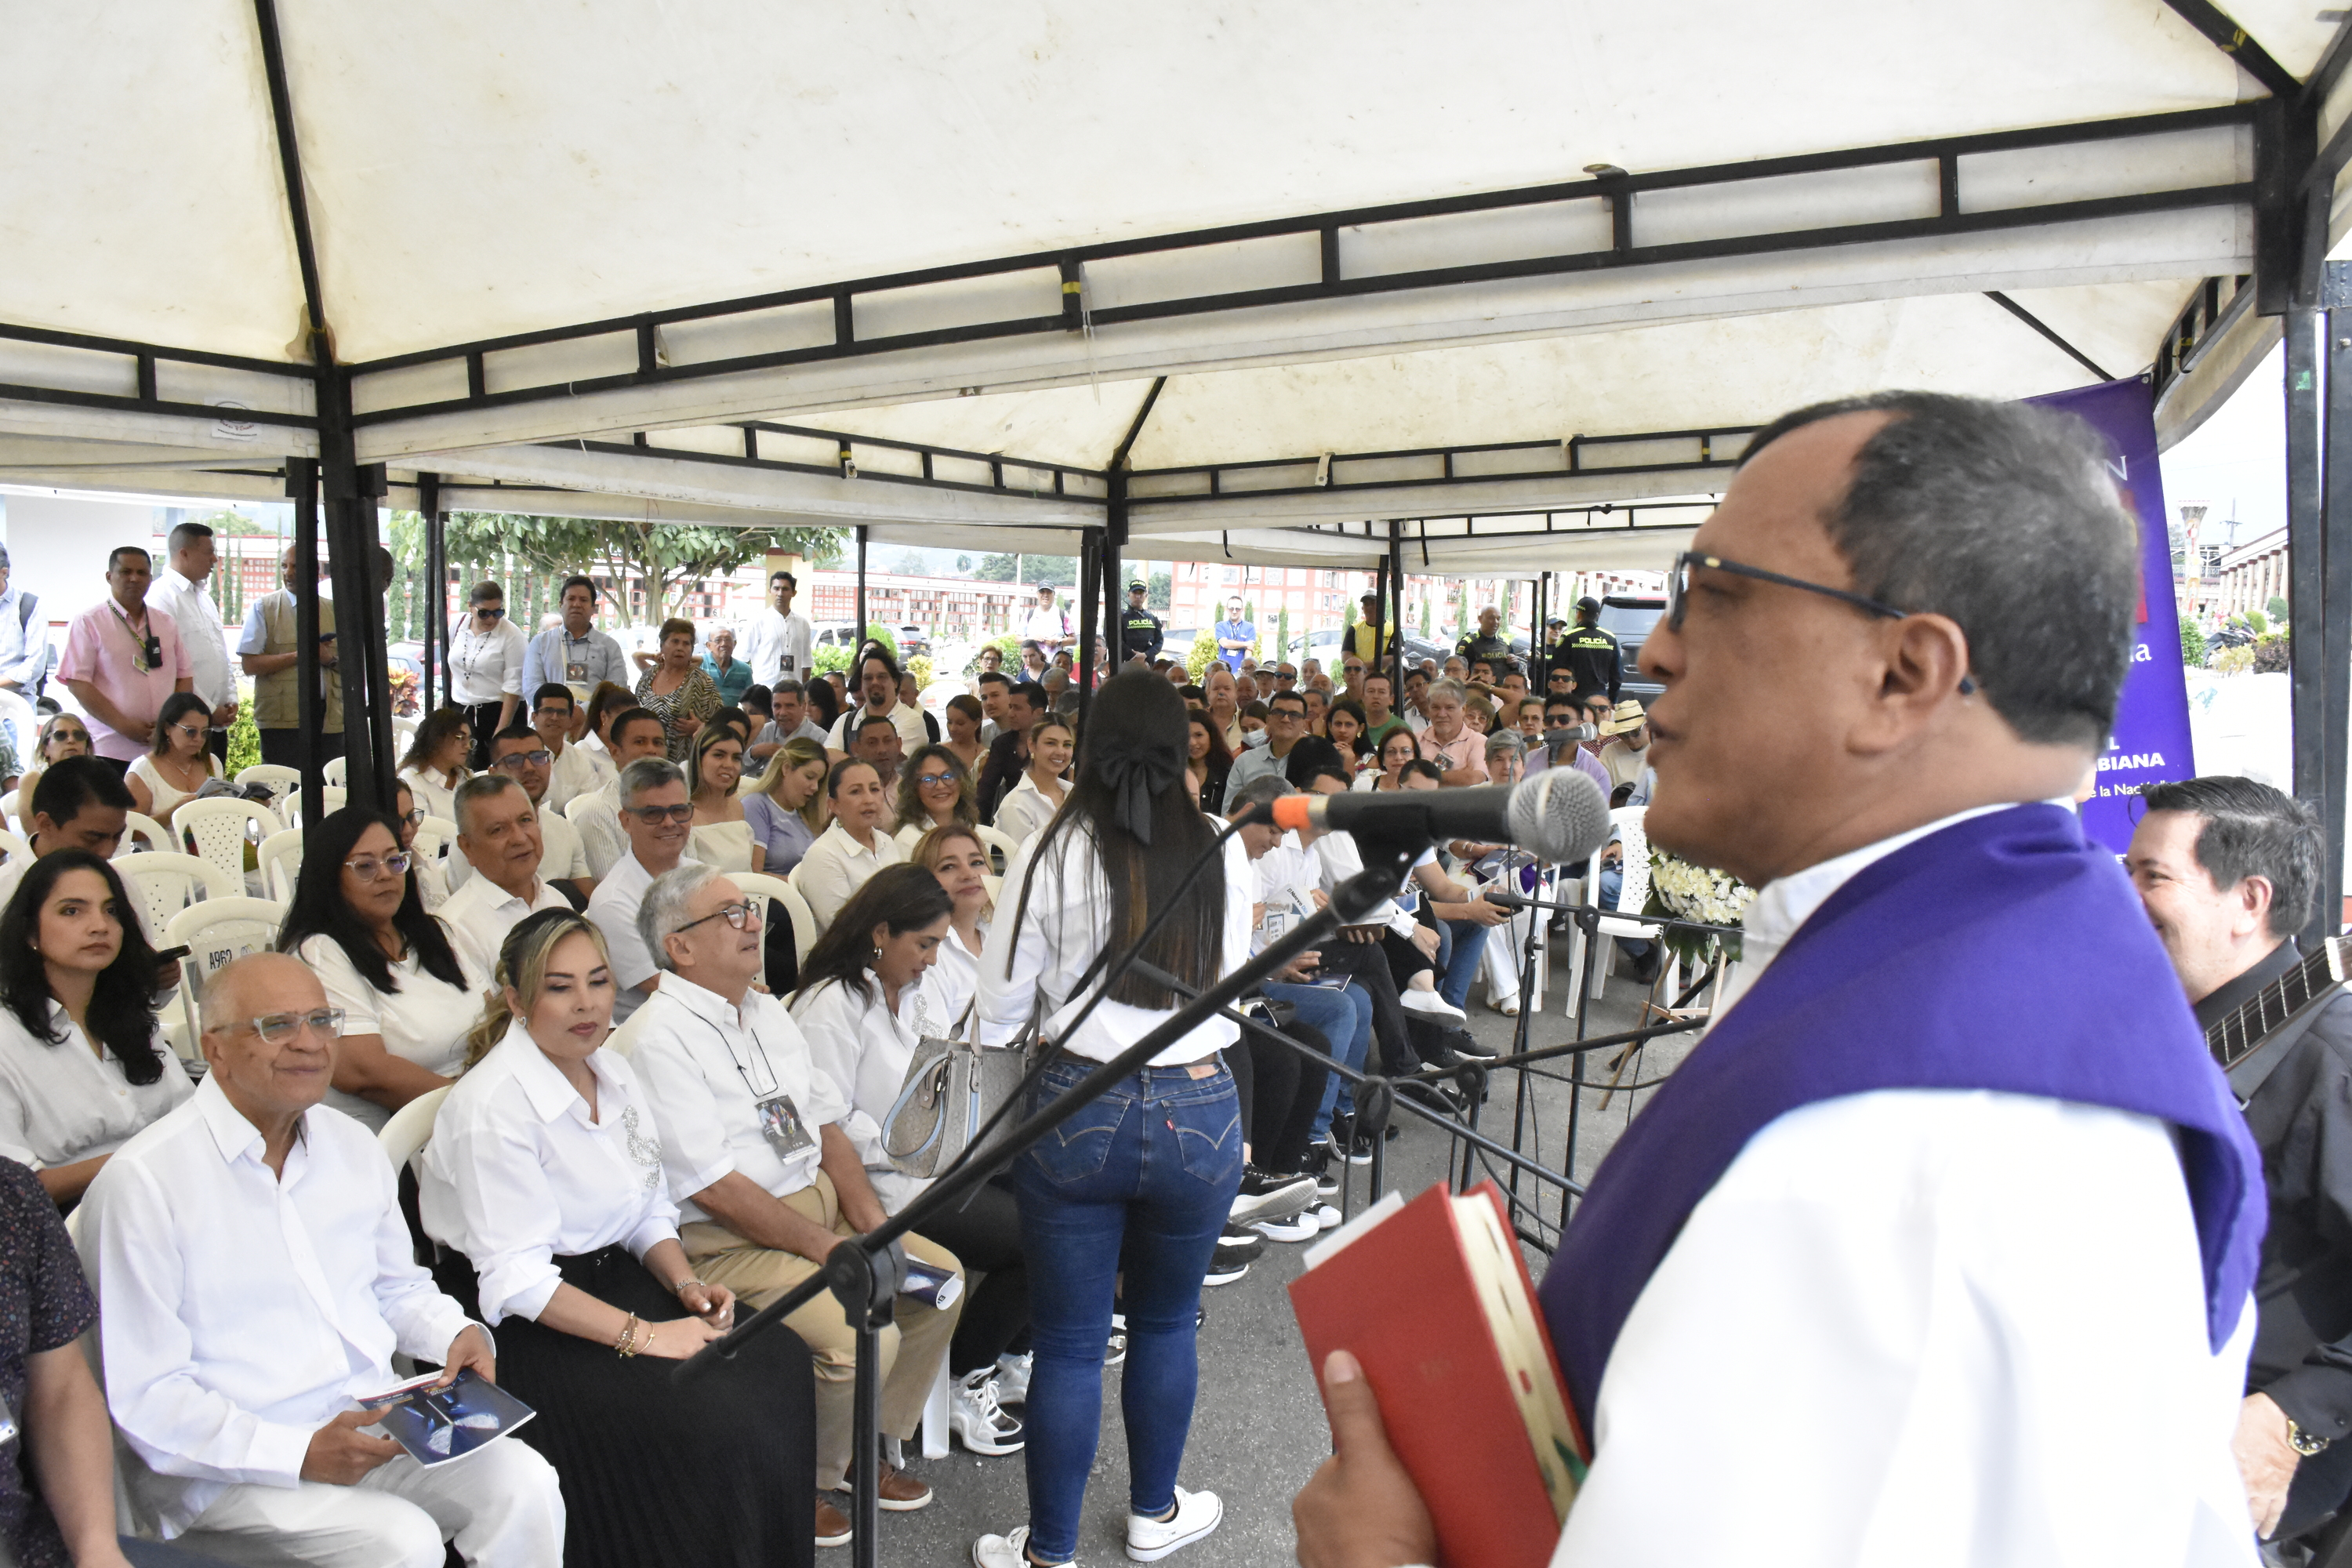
pixel 1466 749
pixel 102 648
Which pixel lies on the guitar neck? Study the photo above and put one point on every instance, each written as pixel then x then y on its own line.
pixel 2233 1039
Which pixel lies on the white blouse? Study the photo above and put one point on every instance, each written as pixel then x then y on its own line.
pixel 834 868
pixel 863 1049
pixel 953 982
pixel 423 1022
pixel 726 845
pixel 485 668
pixel 166 795
pixel 1024 809
pixel 519 1173
pixel 436 799
pixel 61 1102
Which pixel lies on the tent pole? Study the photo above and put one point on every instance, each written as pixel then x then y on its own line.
pixel 428 509
pixel 1090 574
pixel 2306 546
pixel 303 490
pixel 2334 649
pixel 1396 621
pixel 858 637
pixel 362 657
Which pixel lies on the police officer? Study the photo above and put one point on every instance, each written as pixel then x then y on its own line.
pixel 1487 642
pixel 1140 633
pixel 1589 654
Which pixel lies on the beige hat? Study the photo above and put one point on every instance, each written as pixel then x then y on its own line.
pixel 1623 719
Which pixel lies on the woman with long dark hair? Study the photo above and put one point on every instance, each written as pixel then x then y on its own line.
pixel 862 1005
pixel 720 837
pixel 1207 762
pixel 177 765
pixel 407 991
pixel 80 1067
pixel 435 765
pixel 1151 1168
pixel 543 1183
pixel 1031 804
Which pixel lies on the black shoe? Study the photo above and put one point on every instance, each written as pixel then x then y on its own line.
pixel 1318 1164
pixel 1646 968
pixel 1343 1132
pixel 1462 1043
pixel 1265 1196
pixel 1243 1244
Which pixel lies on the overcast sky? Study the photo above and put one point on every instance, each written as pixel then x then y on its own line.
pixel 2236 461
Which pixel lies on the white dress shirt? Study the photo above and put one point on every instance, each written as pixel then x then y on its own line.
pixel 436 798
pixel 706 1067
pixel 572 772
pixel 836 866
pixel 953 983
pixel 190 609
pixel 597 815
pixel 425 1022
pixel 613 910
pixel 60 1104
pixel 1024 808
pixel 905 718
pixel 480 914
pixel 23 648
pixel 519 1173
pixel 562 855
pixel 485 667
pixel 1066 922
pixel 1928 1286
pixel 239 1311
pixel 861 1047
pixel 776 645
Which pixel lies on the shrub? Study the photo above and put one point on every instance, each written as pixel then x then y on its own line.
pixel 2254 619
pixel 1204 654
pixel 2193 642
pixel 2233 661
pixel 1008 655
pixel 832 656
pixel 2277 607
pixel 244 736
pixel 2271 655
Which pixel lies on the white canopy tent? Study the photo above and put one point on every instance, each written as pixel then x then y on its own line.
pixel 1289 282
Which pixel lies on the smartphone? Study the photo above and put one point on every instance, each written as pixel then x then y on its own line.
pixel 172 954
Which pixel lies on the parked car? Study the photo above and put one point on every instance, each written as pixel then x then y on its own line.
pixel 1629 620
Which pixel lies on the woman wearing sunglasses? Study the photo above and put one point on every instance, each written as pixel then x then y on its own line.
pixel 63 736
pixel 435 763
pixel 935 790
pixel 407 991
pixel 178 764
pixel 486 661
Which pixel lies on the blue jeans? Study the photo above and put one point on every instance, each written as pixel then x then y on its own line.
pixel 1459 945
pixel 1344 1018
pixel 1142 1180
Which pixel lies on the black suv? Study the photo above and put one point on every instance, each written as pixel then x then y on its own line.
pixel 1629 621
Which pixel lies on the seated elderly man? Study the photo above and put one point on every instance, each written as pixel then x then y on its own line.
pixel 657 817
pixel 501 833
pixel 765 1180
pixel 519 754
pixel 254 1279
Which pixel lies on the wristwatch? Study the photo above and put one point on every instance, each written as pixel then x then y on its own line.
pixel 2303 1442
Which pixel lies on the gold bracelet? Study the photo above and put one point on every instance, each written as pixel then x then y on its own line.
pixel 649 1340
pixel 625 1346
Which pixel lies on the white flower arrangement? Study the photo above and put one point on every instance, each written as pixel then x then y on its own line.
pixel 1682 891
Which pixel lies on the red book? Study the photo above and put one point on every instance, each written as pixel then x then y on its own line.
pixel 1433 1298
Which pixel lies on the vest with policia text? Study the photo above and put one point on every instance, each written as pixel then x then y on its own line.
pixel 278 697
pixel 1590 657
pixel 1140 632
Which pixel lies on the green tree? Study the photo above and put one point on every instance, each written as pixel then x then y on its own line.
pixel 1282 634
pixel 1160 591
pixel 2277 607
pixel 2193 642
pixel 2254 619
pixel 1062 571
pixel 1424 616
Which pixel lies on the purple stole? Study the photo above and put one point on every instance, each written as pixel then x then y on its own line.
pixel 2000 953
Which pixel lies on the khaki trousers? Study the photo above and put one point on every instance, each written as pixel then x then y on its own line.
pixel 913 1348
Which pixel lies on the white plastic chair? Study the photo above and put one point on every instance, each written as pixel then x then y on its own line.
pixel 274 778
pixel 1634 891
pixel 8 804
pixel 23 724
pixel 434 836
pixel 411 1128
pixel 141 833
pixel 1003 842
pixel 165 882
pixel 623 1041
pixel 220 828
pixel 760 885
pixel 280 856
pixel 217 933
pixel 336 772
pixel 16 845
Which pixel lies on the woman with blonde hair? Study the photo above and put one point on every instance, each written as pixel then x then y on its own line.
pixel 721 834
pixel 786 805
pixel 935 790
pixel 544 1183
pixel 1032 803
pixel 65 735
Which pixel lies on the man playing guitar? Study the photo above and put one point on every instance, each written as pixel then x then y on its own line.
pixel 2227 870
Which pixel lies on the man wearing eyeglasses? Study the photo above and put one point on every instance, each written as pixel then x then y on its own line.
pixel 559 858
pixel 485 669
pixel 1952 1179
pixel 255 1278
pixel 122 660
pixel 658 818
pixel 569 772
pixel 1286 725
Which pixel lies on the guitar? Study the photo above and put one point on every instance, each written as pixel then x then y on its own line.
pixel 2251 1039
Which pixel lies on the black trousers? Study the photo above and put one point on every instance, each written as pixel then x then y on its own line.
pixel 1367 963
pixel 482 717
pixel 985 1236
pixel 1279 1090
pixel 286 748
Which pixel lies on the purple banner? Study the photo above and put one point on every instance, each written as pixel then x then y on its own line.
pixel 2151 740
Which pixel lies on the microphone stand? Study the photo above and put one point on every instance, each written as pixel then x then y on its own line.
pixel 865 1273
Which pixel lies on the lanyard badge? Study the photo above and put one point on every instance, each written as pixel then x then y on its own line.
pixel 780 1125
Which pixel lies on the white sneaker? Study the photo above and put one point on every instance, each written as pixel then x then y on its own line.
pixel 1301 1226
pixel 1013 1377
pixel 979 1418
pixel 1325 1216
pixel 1004 1551
pixel 1197 1514
pixel 1431 1002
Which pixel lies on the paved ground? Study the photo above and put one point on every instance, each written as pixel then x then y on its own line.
pixel 1259 1430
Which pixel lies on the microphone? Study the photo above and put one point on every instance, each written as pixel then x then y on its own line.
pixel 1559 814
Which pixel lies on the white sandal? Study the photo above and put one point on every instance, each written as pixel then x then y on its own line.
pixel 1509 1006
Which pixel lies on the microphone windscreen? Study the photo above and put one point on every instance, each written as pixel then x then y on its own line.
pixel 1560 815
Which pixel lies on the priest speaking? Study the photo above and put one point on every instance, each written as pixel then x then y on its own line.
pixel 1937 1248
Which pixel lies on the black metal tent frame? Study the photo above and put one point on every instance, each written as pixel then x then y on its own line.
pixel 2289 196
